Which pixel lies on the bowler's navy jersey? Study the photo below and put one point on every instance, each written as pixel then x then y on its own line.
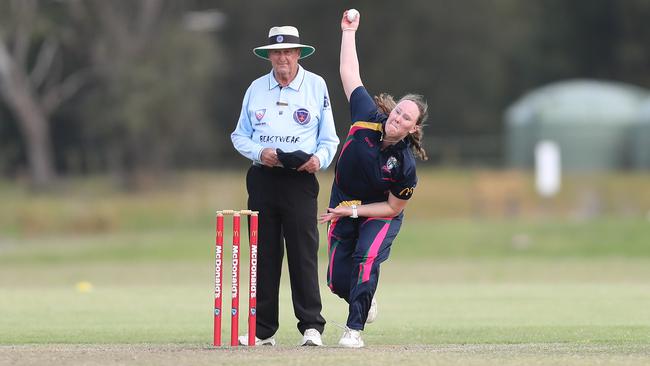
pixel 364 171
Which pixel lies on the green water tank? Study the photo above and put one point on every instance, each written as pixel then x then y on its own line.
pixel 593 122
pixel 641 139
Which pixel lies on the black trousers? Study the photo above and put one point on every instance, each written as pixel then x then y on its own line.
pixel 287 202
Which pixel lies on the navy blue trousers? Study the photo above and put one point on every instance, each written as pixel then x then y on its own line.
pixel 356 248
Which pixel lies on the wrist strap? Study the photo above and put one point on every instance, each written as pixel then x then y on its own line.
pixel 355 214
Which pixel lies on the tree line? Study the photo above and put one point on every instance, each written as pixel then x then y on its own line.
pixel 126 87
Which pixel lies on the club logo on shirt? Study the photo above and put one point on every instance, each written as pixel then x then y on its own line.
pixel 326 102
pixel 259 114
pixel 391 163
pixel 301 116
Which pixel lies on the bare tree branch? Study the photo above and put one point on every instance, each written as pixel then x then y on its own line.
pixel 58 94
pixel 150 11
pixel 25 10
pixel 44 62
pixel 54 74
pixel 5 69
pixel 5 61
pixel 115 22
pixel 77 9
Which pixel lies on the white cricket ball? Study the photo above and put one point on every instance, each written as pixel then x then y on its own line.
pixel 352 15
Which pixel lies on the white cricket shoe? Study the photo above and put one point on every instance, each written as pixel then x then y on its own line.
pixel 311 338
pixel 351 339
pixel 243 341
pixel 372 313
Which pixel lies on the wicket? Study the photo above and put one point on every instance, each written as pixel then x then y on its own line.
pixel 252 290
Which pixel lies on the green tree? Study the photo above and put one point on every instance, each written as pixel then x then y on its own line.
pixel 147 76
pixel 32 83
pixel 148 108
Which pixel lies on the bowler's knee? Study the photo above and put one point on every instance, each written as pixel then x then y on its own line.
pixel 339 289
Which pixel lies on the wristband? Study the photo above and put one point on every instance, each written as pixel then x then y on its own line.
pixel 354 212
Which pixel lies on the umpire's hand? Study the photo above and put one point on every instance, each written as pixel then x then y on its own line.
pixel 269 157
pixel 311 166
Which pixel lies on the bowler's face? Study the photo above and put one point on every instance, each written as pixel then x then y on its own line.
pixel 285 62
pixel 402 120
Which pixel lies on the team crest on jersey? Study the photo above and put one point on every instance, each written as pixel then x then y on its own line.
pixel 259 114
pixel 301 116
pixel 391 163
pixel 326 102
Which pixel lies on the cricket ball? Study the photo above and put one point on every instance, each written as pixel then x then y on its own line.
pixel 352 15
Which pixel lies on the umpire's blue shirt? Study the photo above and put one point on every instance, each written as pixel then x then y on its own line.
pixel 296 117
pixel 365 171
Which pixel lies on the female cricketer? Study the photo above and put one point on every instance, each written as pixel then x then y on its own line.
pixel 374 179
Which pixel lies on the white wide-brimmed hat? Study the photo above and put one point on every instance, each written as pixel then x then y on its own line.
pixel 281 38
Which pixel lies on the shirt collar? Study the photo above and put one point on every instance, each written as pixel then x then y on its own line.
pixel 294 84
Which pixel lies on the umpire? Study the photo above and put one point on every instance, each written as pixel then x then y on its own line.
pixel 286 129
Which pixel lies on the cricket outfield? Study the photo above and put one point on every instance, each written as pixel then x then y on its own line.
pixel 462 291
